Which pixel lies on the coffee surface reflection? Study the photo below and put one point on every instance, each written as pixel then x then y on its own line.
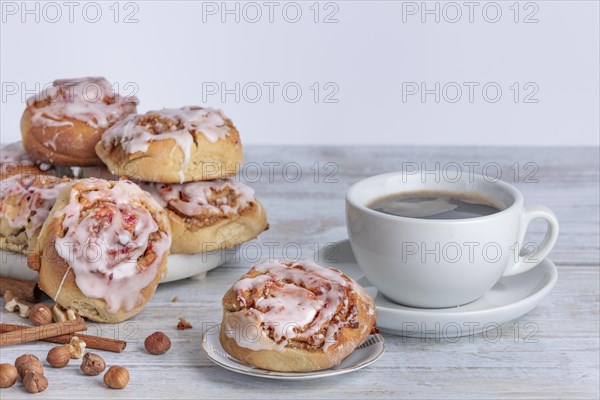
pixel 435 205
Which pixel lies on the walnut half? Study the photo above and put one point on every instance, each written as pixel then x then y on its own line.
pixel 13 304
pixel 59 314
pixel 76 347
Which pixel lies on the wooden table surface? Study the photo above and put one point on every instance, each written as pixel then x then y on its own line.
pixel 562 361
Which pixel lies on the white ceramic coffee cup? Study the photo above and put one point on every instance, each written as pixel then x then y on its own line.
pixel 433 263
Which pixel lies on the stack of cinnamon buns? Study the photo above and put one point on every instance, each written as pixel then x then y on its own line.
pixel 99 198
pixel 161 182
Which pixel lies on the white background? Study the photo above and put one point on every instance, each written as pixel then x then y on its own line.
pixel 371 53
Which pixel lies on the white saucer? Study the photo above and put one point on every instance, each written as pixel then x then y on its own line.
pixel 511 298
pixel 179 266
pixel 365 354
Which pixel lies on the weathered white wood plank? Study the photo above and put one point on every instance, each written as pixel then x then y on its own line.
pixel 560 359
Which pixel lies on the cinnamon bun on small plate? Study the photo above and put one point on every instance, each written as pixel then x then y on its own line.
pixel 295 320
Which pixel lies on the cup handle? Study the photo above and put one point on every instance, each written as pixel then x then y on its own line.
pixel 526 262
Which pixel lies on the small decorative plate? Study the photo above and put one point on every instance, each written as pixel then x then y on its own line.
pixel 365 354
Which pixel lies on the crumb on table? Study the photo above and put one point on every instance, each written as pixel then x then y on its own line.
pixel 182 325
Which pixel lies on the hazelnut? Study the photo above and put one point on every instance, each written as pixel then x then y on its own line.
pixel 8 375
pixel 29 367
pixel 116 377
pixel 157 343
pixel 58 357
pixel 40 314
pixel 92 364
pixel 23 359
pixel 34 382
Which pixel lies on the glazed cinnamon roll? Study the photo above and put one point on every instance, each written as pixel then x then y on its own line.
pixel 173 145
pixel 25 202
pixel 210 215
pixel 62 124
pixel 285 316
pixel 103 249
pixel 15 161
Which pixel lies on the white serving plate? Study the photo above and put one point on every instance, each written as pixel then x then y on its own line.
pixel 195 266
pixel 179 266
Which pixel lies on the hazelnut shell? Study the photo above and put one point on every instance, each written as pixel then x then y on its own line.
pixel 157 343
pixel 8 375
pixel 40 314
pixel 34 382
pixel 92 364
pixel 58 357
pixel 116 377
pixel 30 367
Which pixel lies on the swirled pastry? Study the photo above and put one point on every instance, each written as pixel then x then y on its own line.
pixel 15 161
pixel 62 124
pixel 210 215
pixel 103 249
pixel 285 316
pixel 173 145
pixel 25 202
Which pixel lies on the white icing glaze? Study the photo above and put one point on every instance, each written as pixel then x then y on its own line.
pixel 33 199
pixel 249 336
pixel 193 198
pixel 135 132
pixel 62 283
pixel 90 100
pixel 297 301
pixel 103 245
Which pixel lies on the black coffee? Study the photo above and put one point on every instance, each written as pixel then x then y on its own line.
pixel 435 205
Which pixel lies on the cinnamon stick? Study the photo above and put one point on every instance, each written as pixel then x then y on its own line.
pixel 23 290
pixel 91 342
pixel 42 332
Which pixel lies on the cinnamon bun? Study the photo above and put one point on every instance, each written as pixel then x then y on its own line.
pixel 103 249
pixel 173 145
pixel 62 124
pixel 210 215
pixel 25 202
pixel 285 316
pixel 15 161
